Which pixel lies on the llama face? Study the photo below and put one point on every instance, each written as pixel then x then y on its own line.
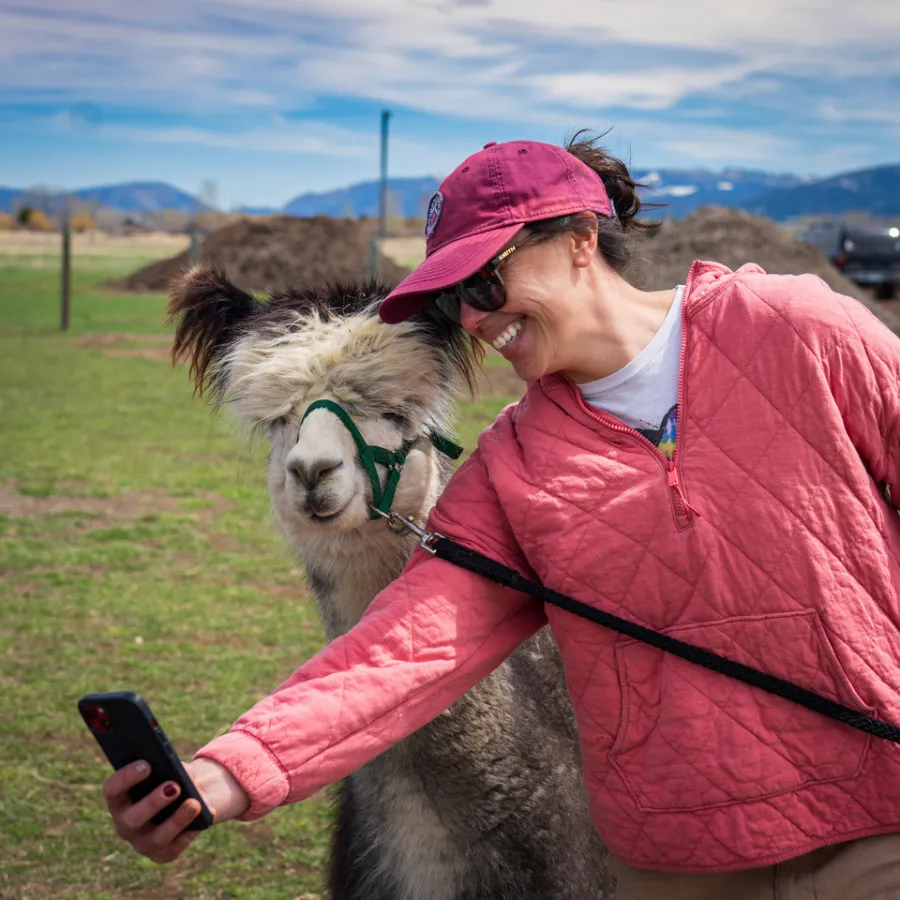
pixel 316 479
pixel 267 362
pixel 392 384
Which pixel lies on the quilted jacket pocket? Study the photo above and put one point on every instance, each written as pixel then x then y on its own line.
pixel 691 739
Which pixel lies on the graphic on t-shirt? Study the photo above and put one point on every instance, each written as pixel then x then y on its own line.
pixel 663 438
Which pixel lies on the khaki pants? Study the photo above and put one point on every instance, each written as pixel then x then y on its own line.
pixel 868 869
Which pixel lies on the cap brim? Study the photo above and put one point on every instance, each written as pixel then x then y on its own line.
pixel 445 267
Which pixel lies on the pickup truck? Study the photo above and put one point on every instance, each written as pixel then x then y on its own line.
pixel 868 255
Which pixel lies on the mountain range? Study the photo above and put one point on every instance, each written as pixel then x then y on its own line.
pixel 679 191
pixel 876 190
pixel 131 198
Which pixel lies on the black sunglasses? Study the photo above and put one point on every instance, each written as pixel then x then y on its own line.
pixel 484 291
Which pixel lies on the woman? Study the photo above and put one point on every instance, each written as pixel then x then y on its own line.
pixel 710 461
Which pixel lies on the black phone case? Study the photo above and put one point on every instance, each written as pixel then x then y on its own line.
pixel 127 731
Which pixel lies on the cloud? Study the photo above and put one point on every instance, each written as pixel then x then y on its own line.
pixel 769 72
pixel 657 89
pixel 461 59
pixel 725 145
pixel 250 97
pixel 310 138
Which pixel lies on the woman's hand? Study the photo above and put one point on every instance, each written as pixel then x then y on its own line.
pixel 164 843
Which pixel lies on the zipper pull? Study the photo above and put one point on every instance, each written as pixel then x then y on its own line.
pixel 672 476
pixel 674 486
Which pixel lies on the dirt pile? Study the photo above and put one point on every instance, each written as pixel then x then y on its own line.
pixel 734 237
pixel 269 253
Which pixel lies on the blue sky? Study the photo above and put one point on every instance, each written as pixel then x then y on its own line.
pixel 268 99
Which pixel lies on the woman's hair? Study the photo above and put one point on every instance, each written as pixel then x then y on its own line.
pixel 615 234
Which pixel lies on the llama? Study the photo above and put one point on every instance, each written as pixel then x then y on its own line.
pixel 487 801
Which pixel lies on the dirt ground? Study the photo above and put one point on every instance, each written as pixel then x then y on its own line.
pixel 121 508
pixel 266 254
pixel 114 343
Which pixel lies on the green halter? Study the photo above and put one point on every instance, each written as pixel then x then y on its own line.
pixel 392 460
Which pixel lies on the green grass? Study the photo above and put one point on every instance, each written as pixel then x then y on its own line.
pixel 137 551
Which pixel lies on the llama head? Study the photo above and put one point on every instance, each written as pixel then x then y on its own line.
pixel 269 362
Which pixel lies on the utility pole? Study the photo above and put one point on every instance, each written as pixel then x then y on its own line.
pixel 382 225
pixel 375 249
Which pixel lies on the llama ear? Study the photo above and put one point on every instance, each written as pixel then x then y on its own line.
pixel 207 310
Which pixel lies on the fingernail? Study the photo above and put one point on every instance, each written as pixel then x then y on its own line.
pixel 141 768
pixel 170 790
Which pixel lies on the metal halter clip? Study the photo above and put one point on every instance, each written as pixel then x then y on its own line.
pixel 398 524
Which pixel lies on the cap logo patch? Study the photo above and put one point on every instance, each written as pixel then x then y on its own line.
pixel 435 205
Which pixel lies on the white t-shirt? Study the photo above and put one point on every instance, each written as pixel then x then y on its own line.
pixel 644 393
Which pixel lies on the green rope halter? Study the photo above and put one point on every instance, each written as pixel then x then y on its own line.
pixel 392 460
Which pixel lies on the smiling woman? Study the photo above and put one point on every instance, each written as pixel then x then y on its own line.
pixel 709 461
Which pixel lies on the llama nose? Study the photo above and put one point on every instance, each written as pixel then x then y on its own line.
pixel 310 472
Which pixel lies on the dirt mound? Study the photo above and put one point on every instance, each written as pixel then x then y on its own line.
pixel 734 237
pixel 270 253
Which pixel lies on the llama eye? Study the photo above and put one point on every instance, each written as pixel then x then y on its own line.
pixel 397 419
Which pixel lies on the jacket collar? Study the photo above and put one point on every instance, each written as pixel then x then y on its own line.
pixel 705 282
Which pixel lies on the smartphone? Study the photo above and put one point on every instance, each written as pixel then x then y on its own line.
pixel 127 731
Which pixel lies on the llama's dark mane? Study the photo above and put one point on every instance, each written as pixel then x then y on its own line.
pixel 211 314
pixel 340 299
pixel 331 301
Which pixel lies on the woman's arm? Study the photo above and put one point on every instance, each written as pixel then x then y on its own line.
pixel 426 639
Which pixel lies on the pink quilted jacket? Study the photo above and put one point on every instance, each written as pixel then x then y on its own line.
pixel 769 541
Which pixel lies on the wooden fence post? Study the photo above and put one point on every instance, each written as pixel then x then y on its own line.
pixel 66 285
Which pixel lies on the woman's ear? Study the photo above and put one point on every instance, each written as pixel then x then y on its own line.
pixel 584 247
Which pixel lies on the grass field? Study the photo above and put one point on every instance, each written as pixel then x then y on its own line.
pixel 137 551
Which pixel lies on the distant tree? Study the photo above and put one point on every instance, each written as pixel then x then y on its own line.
pixel 24 214
pixel 38 220
pixel 82 221
pixel 7 222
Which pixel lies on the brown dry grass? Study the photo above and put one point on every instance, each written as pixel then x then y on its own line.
pixel 405 251
pixel 92 243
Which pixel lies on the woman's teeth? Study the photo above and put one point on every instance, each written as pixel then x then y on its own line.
pixel 509 334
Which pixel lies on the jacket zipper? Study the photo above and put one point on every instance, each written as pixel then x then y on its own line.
pixel 682 511
pixel 680 505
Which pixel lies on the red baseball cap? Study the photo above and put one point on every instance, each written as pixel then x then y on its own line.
pixel 481 206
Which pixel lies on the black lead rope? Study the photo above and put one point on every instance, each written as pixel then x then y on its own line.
pixel 452 552
pixel 455 553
